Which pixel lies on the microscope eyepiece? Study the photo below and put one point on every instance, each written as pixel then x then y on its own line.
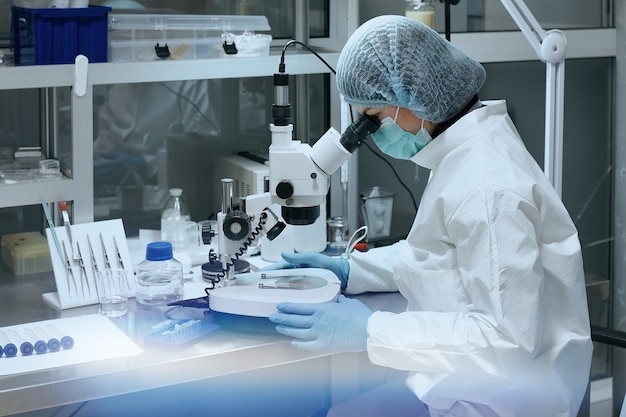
pixel 359 131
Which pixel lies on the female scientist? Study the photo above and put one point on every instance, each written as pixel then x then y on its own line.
pixel 497 321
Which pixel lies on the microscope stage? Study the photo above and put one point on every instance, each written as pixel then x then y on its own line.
pixel 257 293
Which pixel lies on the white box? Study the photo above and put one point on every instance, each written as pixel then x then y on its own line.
pixel 249 177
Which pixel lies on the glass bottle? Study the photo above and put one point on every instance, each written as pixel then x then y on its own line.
pixel 159 276
pixel 173 219
pixel 422 11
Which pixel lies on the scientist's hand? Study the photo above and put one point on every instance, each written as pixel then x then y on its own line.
pixel 339 327
pixel 338 265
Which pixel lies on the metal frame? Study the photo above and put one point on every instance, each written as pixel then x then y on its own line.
pixel 485 47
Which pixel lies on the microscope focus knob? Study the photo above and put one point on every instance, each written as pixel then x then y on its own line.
pixel 236 225
pixel 284 190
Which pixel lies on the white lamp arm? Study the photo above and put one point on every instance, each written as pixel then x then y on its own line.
pixel 550 47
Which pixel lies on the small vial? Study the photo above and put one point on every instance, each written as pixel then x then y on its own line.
pixel 67 342
pixel 53 343
pixel 41 346
pixel 337 233
pixel 422 11
pixel 8 347
pixel 26 347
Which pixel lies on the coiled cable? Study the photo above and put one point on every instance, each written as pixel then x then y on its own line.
pixel 242 249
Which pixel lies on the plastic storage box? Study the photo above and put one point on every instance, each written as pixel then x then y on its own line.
pixel 57 36
pixel 133 37
pixel 26 253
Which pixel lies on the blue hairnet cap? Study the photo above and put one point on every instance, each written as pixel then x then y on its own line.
pixel 398 61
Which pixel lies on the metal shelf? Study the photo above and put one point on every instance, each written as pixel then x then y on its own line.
pixel 513 47
pixel 485 47
pixel 31 193
pixel 80 190
pixel 41 76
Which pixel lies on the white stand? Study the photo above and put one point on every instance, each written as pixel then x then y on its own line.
pixel 78 288
pixel 550 47
pixel 247 299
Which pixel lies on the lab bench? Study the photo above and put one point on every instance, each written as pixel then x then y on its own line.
pixel 245 368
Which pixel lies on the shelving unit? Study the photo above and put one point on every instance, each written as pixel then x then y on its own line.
pixel 485 47
pixel 79 187
pixel 78 184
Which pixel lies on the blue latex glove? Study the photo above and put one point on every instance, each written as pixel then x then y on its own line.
pixel 338 265
pixel 338 327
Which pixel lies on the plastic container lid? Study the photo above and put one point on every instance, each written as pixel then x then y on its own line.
pixel 159 22
pixel 159 251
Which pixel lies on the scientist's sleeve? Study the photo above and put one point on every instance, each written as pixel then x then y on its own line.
pixel 505 308
pixel 372 271
pixel 484 303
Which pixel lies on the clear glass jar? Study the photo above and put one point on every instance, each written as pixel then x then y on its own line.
pixel 422 11
pixel 159 276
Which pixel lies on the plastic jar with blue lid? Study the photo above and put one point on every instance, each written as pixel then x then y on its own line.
pixel 159 276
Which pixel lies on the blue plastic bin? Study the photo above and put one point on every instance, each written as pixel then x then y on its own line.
pixel 57 36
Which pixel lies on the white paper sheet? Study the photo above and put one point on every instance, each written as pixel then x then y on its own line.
pixel 95 338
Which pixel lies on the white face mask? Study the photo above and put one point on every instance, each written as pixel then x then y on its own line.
pixel 396 142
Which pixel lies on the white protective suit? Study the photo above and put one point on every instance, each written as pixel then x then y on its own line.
pixel 497 321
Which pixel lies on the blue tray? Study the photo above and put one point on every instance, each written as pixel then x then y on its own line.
pixel 179 334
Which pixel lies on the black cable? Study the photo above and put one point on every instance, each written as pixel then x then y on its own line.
pixel 608 336
pixel 393 169
pixel 240 252
pixel 447 4
pixel 447 19
pixel 292 42
pixel 78 409
pixel 188 100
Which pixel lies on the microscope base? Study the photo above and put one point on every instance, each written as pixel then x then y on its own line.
pixel 257 293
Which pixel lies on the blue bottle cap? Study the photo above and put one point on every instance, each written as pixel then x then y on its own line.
pixel 41 347
pixel 54 345
pixel 10 350
pixel 159 251
pixel 67 342
pixel 27 348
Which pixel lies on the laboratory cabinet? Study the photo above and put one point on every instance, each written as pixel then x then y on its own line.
pixel 78 183
pixel 74 146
